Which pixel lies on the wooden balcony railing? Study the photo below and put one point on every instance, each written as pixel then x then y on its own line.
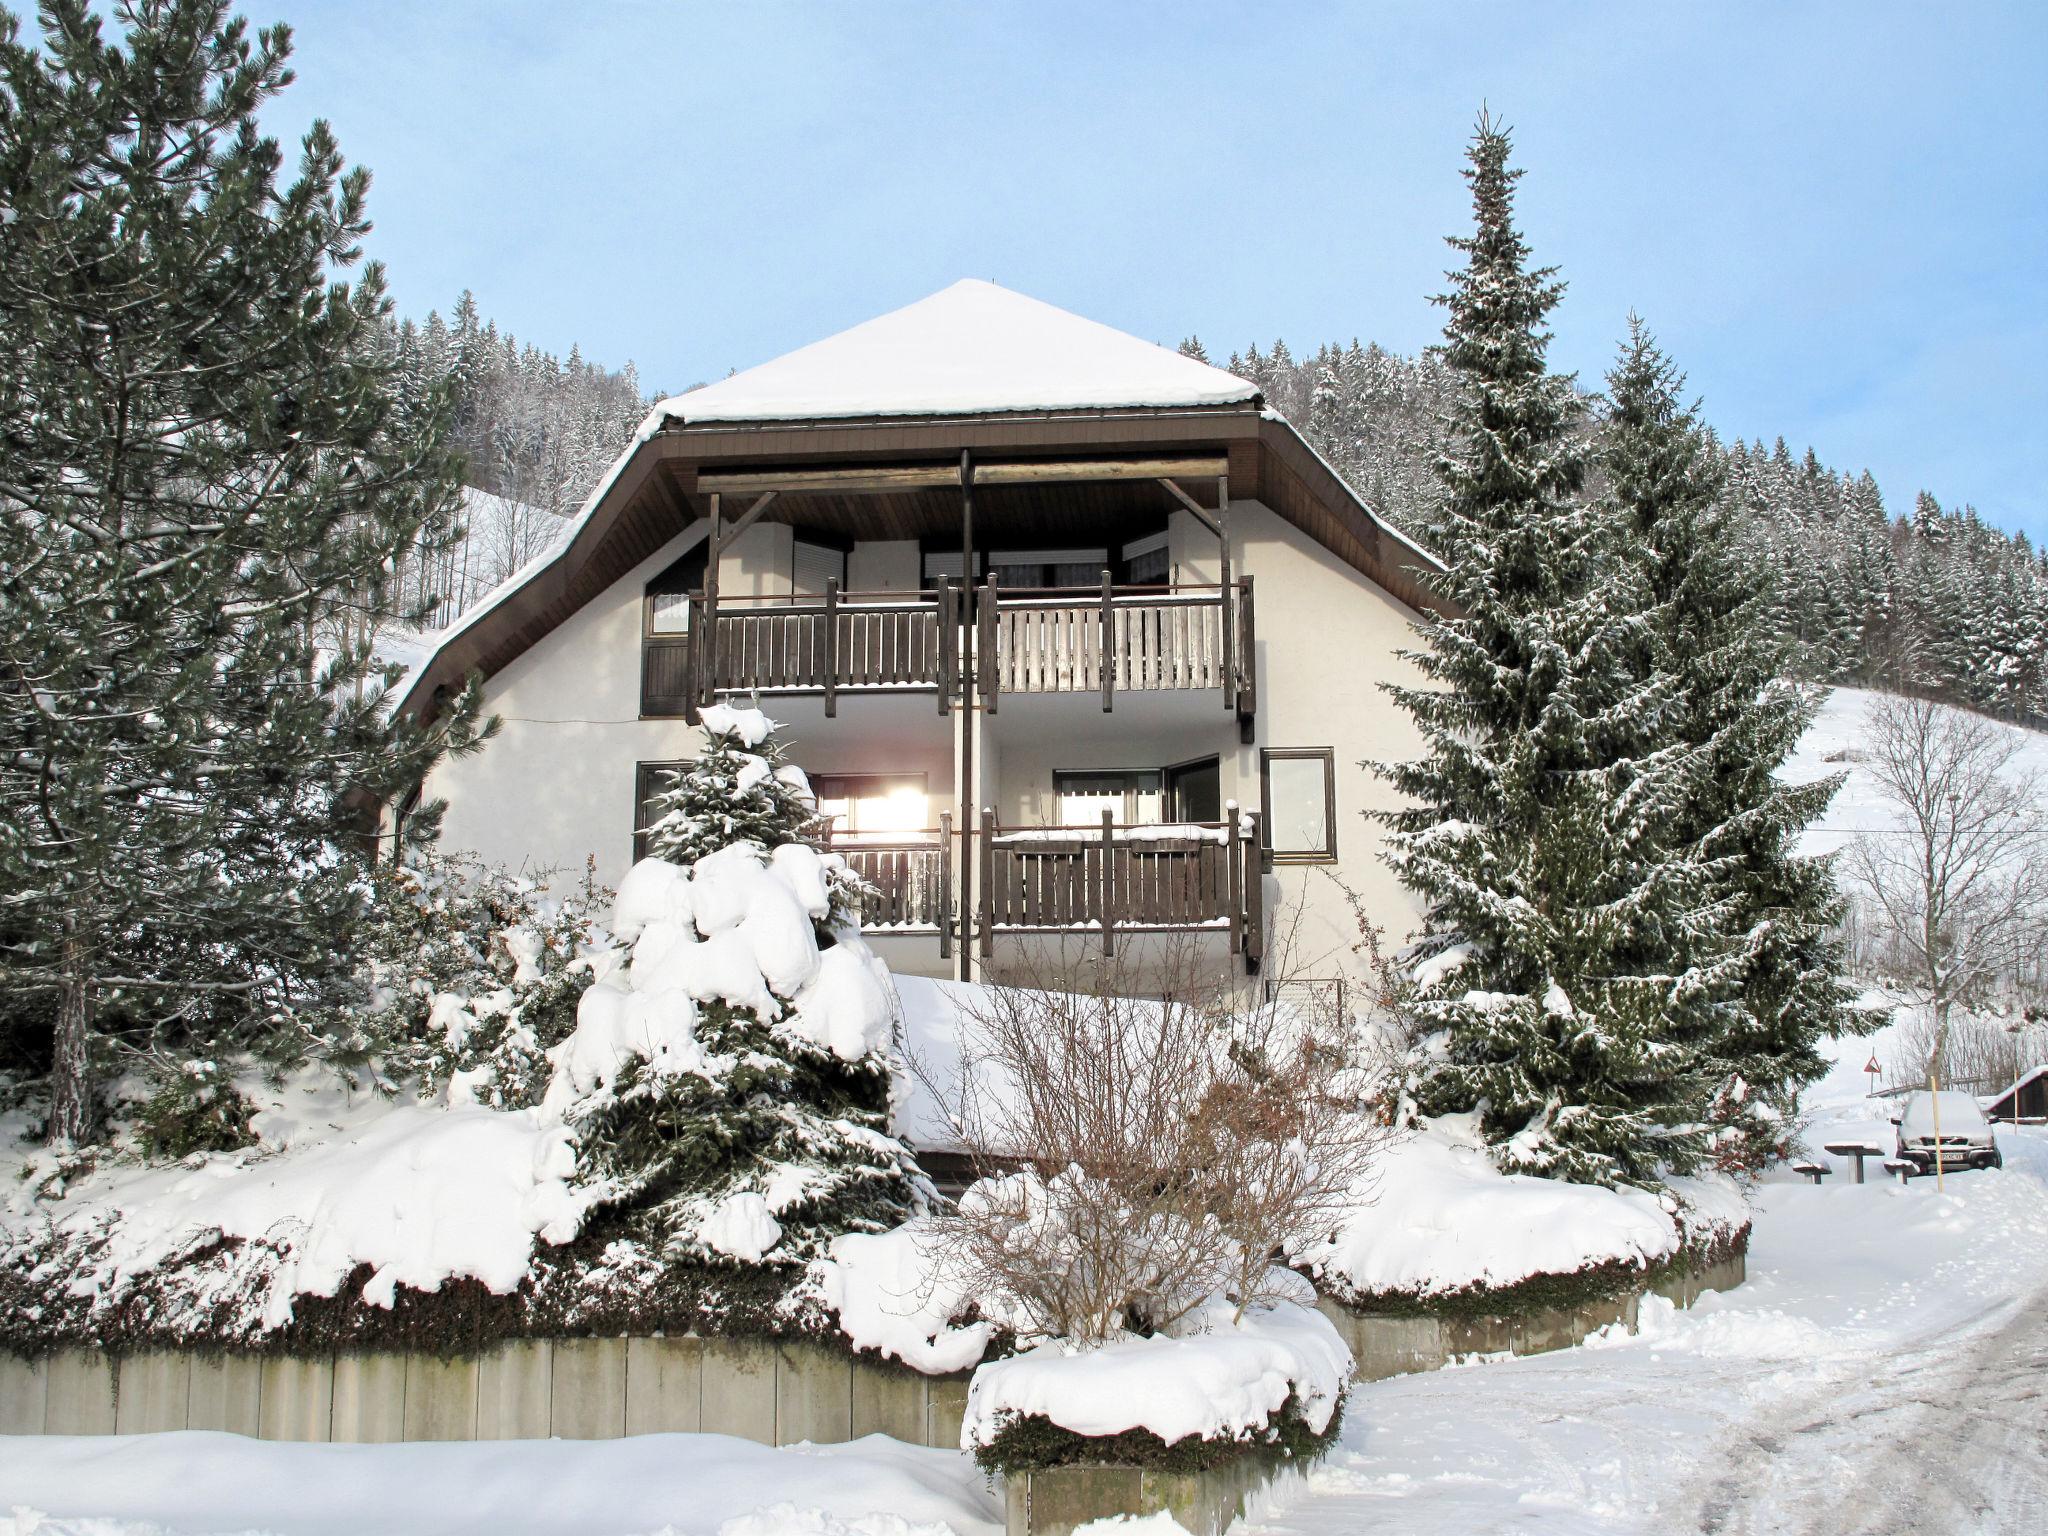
pixel 904 882
pixel 1056 643
pixel 1135 639
pixel 818 643
pixel 1108 879
pixel 1093 883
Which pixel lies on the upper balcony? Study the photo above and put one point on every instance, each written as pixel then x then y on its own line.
pixel 958 642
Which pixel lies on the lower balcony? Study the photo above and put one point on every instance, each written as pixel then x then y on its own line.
pixel 1090 883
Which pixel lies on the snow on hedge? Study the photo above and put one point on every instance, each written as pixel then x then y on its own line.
pixel 1446 1219
pixel 419 1193
pixel 891 1295
pixel 1215 1378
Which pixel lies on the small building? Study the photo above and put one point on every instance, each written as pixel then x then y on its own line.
pixel 2025 1102
pixel 1077 641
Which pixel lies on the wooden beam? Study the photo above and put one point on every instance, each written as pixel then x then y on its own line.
pixel 1195 509
pixel 707 685
pixel 853 480
pixel 746 518
pixel 1028 473
pixel 845 481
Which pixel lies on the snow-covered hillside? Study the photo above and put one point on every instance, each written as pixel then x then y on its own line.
pixel 1834 744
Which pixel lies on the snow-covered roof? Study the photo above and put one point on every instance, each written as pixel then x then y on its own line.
pixel 966 350
pixel 2024 1079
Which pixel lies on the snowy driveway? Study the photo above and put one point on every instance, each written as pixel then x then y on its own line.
pixel 1884 1370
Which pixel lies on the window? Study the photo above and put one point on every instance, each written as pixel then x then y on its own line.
pixel 1145 562
pixel 1132 795
pixel 943 563
pixel 872 807
pixel 668 595
pixel 649 780
pixel 1298 786
pixel 1026 569
pixel 815 564
pixel 1194 791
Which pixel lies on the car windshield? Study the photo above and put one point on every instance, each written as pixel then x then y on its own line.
pixel 1960 1115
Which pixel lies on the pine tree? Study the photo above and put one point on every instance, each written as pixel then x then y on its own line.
pixel 737 790
pixel 1756 965
pixel 786 1124
pixel 1530 829
pixel 205 463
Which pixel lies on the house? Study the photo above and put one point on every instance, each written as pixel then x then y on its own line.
pixel 2025 1102
pixel 1081 647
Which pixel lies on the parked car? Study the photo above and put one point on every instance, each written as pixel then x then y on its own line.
pixel 1966 1139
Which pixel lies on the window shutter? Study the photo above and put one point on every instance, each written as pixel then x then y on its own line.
pixel 815 565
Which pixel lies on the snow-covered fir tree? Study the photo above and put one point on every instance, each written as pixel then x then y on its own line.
pixel 1755 966
pixel 205 461
pixel 753 1126
pixel 1531 829
pixel 738 789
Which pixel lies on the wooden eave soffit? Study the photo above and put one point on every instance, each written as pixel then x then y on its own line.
pixel 854 481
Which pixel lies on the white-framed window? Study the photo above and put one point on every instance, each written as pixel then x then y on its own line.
pixel 1299 789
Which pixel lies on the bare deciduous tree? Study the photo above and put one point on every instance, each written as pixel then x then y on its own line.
pixel 1138 1154
pixel 1962 886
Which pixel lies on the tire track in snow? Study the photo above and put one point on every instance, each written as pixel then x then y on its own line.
pixel 1951 1436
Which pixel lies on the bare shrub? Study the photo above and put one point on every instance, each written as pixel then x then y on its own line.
pixel 1982 1052
pixel 1137 1154
pixel 1959 892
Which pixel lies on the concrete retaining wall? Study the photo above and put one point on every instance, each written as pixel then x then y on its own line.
pixel 1384 1345
pixel 577 1389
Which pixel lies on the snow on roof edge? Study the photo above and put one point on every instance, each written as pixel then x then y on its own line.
pixel 1379 519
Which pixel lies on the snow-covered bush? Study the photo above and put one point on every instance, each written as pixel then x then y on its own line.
pixel 193 1106
pixel 1229 1381
pixel 470 975
pixel 729 1088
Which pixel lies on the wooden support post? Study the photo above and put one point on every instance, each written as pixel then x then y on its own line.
pixel 1248 665
pixel 1255 897
pixel 949 643
pixel 708 651
pixel 1224 592
pixel 1108 881
pixel 965 794
pixel 988 881
pixel 1108 646
pixel 831 647
pixel 986 642
pixel 945 885
pixel 1233 859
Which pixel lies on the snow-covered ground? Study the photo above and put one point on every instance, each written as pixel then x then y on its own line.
pixel 1884 1369
pixel 204 1484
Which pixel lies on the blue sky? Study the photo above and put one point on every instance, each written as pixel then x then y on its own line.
pixel 1835 216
